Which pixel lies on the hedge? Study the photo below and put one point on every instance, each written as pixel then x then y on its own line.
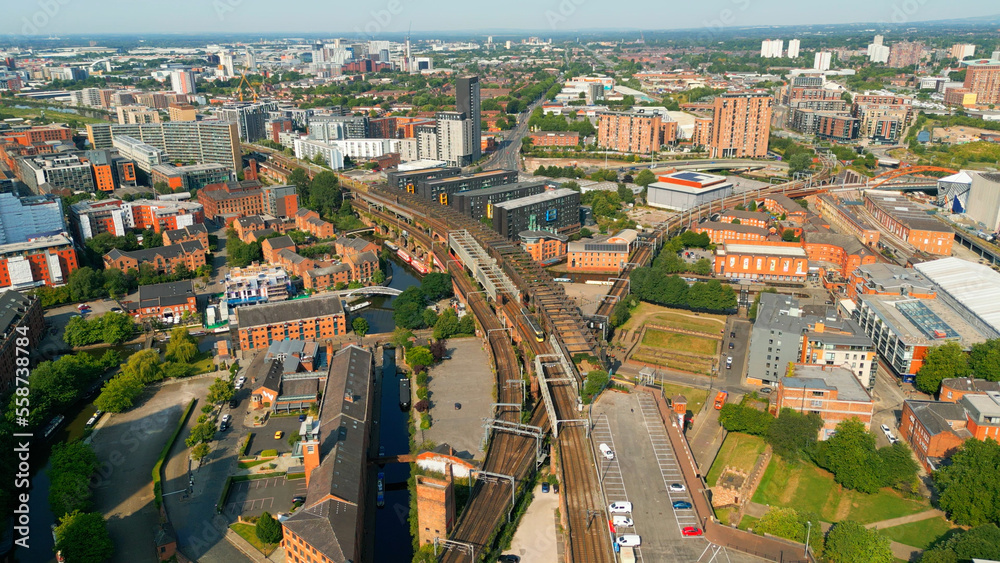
pixel 246 444
pixel 157 485
pixel 225 493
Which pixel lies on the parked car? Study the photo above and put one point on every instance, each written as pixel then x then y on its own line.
pixel 302 418
pixel 233 403
pixel 545 487
pixel 677 488
pixel 278 435
pixel 621 521
pixel 691 531
pixel 620 508
pixel 732 334
pixel 766 390
pixel 608 454
pixel 682 505
pixel 298 500
pixel 227 420
pixel 731 345
pixel 629 540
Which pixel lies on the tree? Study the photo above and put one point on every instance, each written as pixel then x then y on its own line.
pixel 850 455
pixel 220 391
pixel 735 417
pixel 360 326
pixel 116 328
pixel 596 380
pixel 970 486
pixel 446 325
pixel 83 537
pixel 419 356
pixel 324 193
pixel 268 529
pixel 984 359
pixel 72 464
pixel 788 235
pixel 143 366
pixel 199 452
pixel 436 286
pixel 429 317
pixel 118 394
pixel 401 337
pixel 799 163
pixel 182 347
pixel 982 542
pixel 86 284
pixel 899 470
pixel 201 433
pixel 793 433
pixel 942 362
pixel 645 177
pixel 850 542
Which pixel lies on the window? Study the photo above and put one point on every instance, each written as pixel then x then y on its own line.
pixel 817 393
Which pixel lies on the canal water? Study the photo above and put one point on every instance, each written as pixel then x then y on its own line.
pixel 392 528
pixel 379 313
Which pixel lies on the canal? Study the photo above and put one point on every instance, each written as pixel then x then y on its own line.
pixel 392 527
pixel 379 313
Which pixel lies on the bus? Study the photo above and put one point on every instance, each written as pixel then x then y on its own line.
pixel 533 325
pixel 720 399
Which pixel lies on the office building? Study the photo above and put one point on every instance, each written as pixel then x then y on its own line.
pixel 557 211
pixel 821 60
pixel 905 53
pixel 197 142
pixel 479 203
pixel 467 102
pixel 633 132
pixel 544 247
pixel 903 328
pixel 20 318
pixel 772 48
pixel 441 189
pixel 182 112
pixel 163 259
pixel 330 526
pixel 182 81
pixel 192 177
pixel 911 223
pixel 681 191
pixel 331 155
pixel 889 279
pixel 315 318
pixel 250 117
pixel 91 218
pixel 144 156
pixel 741 125
pixel 56 172
pixel 832 392
pixel 982 78
pixel 167 303
pixel 40 261
pixel 963 50
pixel 602 253
pixel 793 49
pixel 23 219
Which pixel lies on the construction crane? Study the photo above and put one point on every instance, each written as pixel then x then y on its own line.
pixel 250 85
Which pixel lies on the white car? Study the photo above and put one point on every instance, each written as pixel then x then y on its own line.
pixel 677 488
pixel 620 508
pixel 622 522
pixel 887 432
pixel 629 540
pixel 239 383
pixel 608 453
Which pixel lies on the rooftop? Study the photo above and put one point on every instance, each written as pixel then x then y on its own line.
pixel 735 227
pixel 974 286
pixel 915 324
pixel 768 250
pixel 907 212
pixel 893 278
pixel 39 243
pixel 288 311
pixel 841 379
pixel 537 198
pixel 938 416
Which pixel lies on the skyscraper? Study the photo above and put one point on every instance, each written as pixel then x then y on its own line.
pixel 793 49
pixel 467 101
pixel 821 61
pixel 251 118
pixel 741 125
pixel 982 77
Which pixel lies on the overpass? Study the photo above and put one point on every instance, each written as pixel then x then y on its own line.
pixel 711 164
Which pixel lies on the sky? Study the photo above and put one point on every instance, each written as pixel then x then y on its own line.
pixel 376 17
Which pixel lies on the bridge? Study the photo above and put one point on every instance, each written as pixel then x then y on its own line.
pixel 371 290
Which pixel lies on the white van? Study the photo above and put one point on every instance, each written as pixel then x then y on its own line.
pixel 621 521
pixel 606 451
pixel 629 540
pixel 620 507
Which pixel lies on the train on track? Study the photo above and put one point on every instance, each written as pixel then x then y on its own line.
pixel 533 325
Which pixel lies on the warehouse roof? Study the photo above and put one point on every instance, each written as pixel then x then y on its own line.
pixel 768 250
pixel 973 285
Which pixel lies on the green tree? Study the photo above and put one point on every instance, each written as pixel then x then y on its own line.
pixel 984 359
pixel 850 542
pixel 596 380
pixel 401 337
pixel 981 542
pixel 83 537
pixel 86 284
pixel 446 325
pixel 899 470
pixel 793 433
pixel 360 326
pixel 942 362
pixel 199 452
pixel 268 529
pixel 116 328
pixel 143 366
pixel 788 235
pixel 72 464
pixel 118 394
pixel 799 163
pixel 735 417
pixel 182 347
pixel 220 391
pixel 850 455
pixel 325 194
pixel 970 487
pixel 436 286
pixel 201 433
pixel 419 356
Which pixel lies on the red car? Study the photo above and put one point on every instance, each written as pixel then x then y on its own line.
pixel 691 531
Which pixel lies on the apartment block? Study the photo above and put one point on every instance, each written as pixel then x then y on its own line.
pixel 555 138
pixel 46 174
pixel 42 261
pixel 250 118
pixel 144 156
pixel 631 132
pixel 192 233
pixel 164 259
pixel 721 232
pixel 191 177
pixel 982 78
pixel 751 218
pixel 309 221
pixel 935 430
pixel 182 112
pixel 409 179
pixel 953 389
pixel 197 142
pixel 832 392
pixel 555 210
pixel 905 53
pixel 232 200
pixel 129 115
pixel 26 218
pixel 91 218
pixel 442 189
pixel 21 320
pixel 889 279
pixel 315 318
pixel 741 125
pixel 256 284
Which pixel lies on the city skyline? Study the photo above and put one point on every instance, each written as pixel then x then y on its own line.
pixel 397 16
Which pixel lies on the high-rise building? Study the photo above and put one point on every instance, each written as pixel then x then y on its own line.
pixel 467 101
pixel 821 61
pixel 877 52
pixel 455 143
pixel 250 117
pixel 328 128
pixel 182 81
pixel 128 115
pixel 741 125
pixel 793 49
pixel 630 132
pixel 226 64
pixel 982 78
pixel 198 142
pixel 145 156
pixel 182 112
pixel 905 53
pixel 771 48
pixel 251 59
pixel 963 50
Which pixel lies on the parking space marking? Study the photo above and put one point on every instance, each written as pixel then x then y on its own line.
pixel 670 470
pixel 611 471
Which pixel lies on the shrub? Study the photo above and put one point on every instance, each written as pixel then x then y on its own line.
pixel 268 529
pixel 422 393
pixel 425 422
pixel 269 453
pixel 422 406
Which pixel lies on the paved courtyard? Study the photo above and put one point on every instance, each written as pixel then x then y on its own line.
pixel 252 498
pixel 467 379
pixel 535 538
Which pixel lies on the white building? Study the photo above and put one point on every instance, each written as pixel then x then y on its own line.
pixel 454 138
pixel 822 60
pixel 365 149
pixel 407 149
pixel 145 156
pixel 984 200
pixel 877 52
pixel 963 50
pixel 793 49
pixel 182 81
pixel 305 148
pixel 772 48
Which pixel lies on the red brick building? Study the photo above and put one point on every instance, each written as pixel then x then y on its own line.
pixel 727 231
pixel 911 223
pixel 165 302
pixel 630 132
pixel 315 318
pixel 231 200
pixel 832 392
pixel 192 233
pixel 555 138
pixel 164 259
pixel 935 430
pixel 272 246
pixel 310 222
pixel 21 327
pixel 741 125
pixel 752 218
pixel 953 389
pixel 544 246
pixel 435 508
pixel 764 260
pixel 601 254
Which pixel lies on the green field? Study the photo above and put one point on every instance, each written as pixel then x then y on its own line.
pixel 249 533
pixel 696 397
pixel 680 342
pixel 646 313
pixel 807 488
pixel 50 115
pixel 673 360
pixel 740 451
pixel 920 534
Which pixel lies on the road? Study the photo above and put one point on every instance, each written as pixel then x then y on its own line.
pixel 508 156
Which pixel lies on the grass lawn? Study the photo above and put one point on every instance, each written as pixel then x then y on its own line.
pixel 921 534
pixel 252 463
pixel 807 488
pixel 696 397
pixel 724 514
pixel 673 360
pixel 202 363
pixel 249 533
pixel 34 113
pixel 676 318
pixel 748 522
pixel 681 342
pixel 739 450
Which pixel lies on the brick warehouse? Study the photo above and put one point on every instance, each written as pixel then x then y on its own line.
pixel 315 318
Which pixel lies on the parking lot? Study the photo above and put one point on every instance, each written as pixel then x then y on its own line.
pixel 252 498
pixel 263 438
pixel 465 379
pixel 643 468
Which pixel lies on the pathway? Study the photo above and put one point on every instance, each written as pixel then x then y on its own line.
pixel 892 522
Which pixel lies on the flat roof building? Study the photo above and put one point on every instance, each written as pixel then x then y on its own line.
pixel 970 289
pixel 832 392
pixel 766 261
pixel 681 191
pixel 911 223
pixel 441 189
pixel 479 203
pixel 555 210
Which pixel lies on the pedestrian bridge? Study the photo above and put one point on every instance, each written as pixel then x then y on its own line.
pixel 372 290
